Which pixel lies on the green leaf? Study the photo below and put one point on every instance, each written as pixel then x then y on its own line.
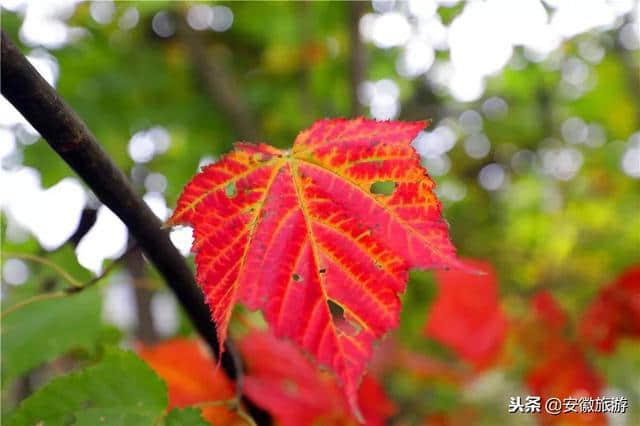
pixel 120 390
pixel 110 417
pixel 41 331
pixel 185 417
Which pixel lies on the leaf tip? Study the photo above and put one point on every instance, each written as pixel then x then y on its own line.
pixel 355 408
pixel 462 266
pixel 423 124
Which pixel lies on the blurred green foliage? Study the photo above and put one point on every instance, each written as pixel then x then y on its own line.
pixel 120 390
pixel 289 62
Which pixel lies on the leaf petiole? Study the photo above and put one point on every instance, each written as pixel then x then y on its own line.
pixel 34 299
pixel 76 285
pixel 41 260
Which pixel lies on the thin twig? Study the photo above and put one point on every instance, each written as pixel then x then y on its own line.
pixel 37 298
pixel 75 288
pixel 109 267
pixel 37 259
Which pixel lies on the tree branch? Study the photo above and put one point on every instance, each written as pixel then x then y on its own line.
pixel 143 293
pixel 67 134
pixel 217 82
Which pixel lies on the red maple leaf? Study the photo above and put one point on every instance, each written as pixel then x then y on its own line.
pixel 466 315
pixel 560 368
pixel 563 372
pixel 192 377
pixel 282 380
pixel 544 327
pixel 615 312
pixel 305 236
pixel 548 311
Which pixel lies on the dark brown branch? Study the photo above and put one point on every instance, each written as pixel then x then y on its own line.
pixel 87 220
pixel 218 83
pixel 357 55
pixel 424 104
pixel 545 110
pixel 67 134
pixel 136 266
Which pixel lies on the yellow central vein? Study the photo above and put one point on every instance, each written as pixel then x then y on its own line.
pixel 314 247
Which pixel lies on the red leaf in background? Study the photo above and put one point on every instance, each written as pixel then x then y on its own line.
pixel 466 315
pixel 564 372
pixel 548 311
pixel 192 377
pixel 560 368
pixel 615 312
pixel 305 236
pixel 463 416
pixel 544 328
pixel 282 380
pixel 377 407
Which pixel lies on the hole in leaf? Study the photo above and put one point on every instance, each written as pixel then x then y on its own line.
pixel 260 157
pixel 230 190
pixel 337 312
pixel 343 323
pixel 385 187
pixel 322 270
pixel 290 387
pixel 297 278
pixel 352 328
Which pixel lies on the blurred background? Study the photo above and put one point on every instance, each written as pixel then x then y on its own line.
pixel 534 145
